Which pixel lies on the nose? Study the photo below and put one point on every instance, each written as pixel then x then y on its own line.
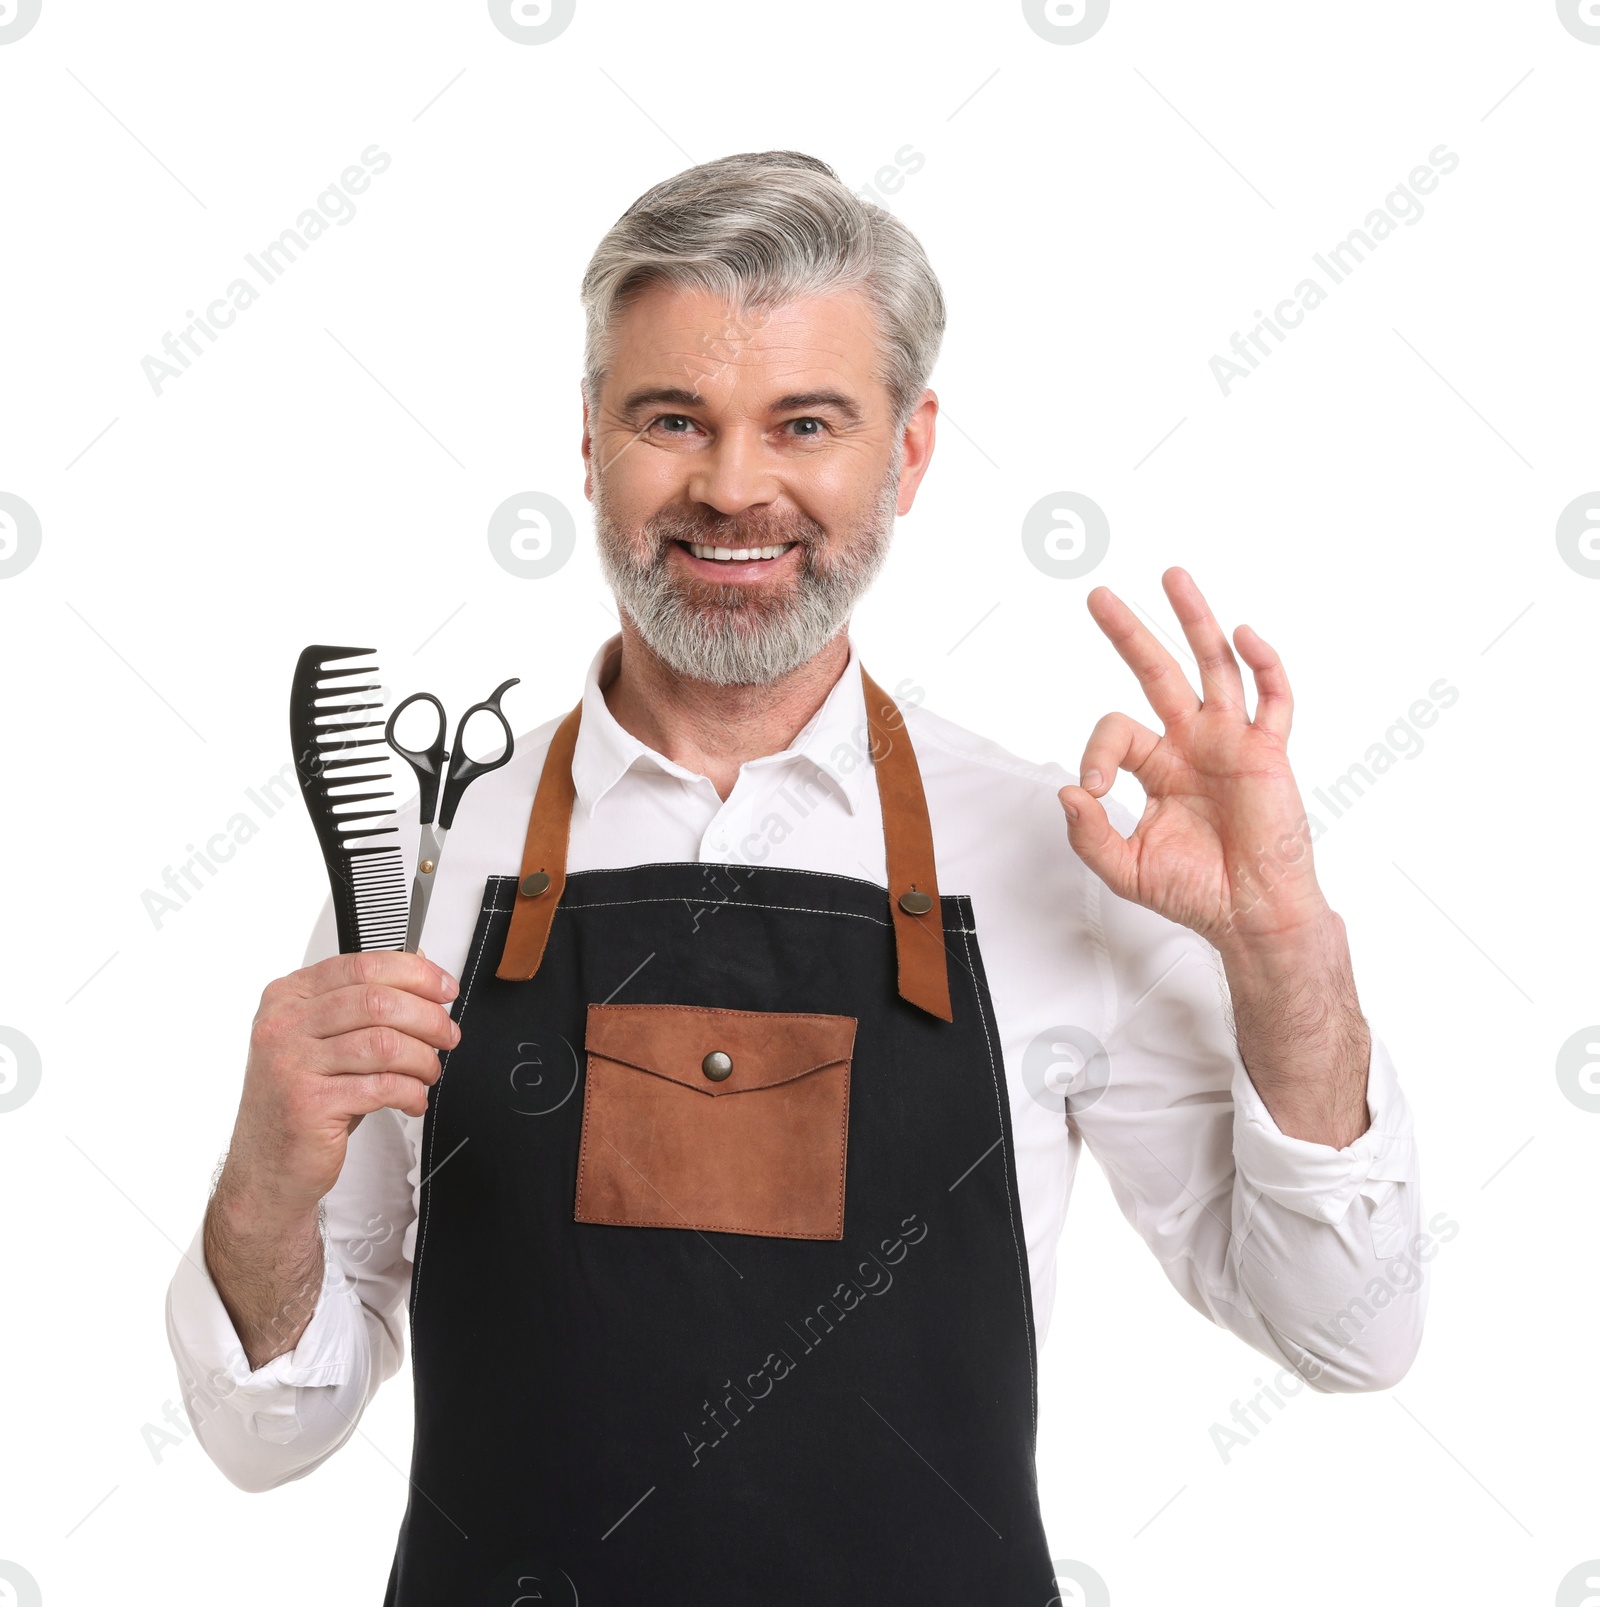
pixel 732 475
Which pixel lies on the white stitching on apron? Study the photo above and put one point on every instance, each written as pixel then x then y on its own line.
pixel 422 1239
pixel 1027 1323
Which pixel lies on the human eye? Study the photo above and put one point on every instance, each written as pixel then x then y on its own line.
pixel 678 424
pixel 807 429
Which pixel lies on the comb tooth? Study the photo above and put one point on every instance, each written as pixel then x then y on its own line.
pixel 343 744
pixel 326 710
pixel 325 673
pixel 355 781
pixel 343 764
pixel 337 798
pixel 353 725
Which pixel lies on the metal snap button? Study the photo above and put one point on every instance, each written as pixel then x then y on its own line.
pixel 532 886
pixel 915 903
pixel 717 1066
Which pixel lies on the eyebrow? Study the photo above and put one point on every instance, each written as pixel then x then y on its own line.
pixel 675 396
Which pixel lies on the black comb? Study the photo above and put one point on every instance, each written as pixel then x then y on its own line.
pixel 366 873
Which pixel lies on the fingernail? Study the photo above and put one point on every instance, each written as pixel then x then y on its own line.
pixel 448 986
pixel 1071 809
pixel 455 1028
pixel 1091 780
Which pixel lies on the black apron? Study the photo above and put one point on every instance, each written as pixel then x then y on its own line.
pixel 720 1292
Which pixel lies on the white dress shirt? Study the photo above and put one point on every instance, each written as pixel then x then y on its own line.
pixel 1276 1239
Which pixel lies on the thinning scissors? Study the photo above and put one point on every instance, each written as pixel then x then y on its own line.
pixel 456 770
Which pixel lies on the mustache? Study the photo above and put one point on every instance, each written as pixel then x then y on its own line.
pixel 709 528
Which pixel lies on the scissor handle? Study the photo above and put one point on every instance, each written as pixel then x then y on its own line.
pixel 463 768
pixel 430 762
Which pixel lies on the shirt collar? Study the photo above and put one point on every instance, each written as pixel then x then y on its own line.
pixel 833 742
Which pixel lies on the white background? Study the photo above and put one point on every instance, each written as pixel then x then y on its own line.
pixel 1379 499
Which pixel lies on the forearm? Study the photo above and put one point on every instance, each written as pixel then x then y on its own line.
pixel 264 1428
pixel 1301 1034
pixel 267 1265
pixel 1277 1238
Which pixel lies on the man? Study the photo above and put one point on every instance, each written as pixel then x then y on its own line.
pixel 781 1007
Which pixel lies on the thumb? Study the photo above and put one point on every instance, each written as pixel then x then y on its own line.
pixel 1096 841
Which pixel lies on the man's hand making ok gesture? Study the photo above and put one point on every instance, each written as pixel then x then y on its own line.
pixel 1223 847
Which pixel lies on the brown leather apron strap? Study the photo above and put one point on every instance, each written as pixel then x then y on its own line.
pixel 907 839
pixel 908 850
pixel 544 858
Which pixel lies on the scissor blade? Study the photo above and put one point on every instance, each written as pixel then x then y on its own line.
pixel 429 847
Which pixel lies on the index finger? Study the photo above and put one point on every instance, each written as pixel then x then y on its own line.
pixel 1160 674
pixel 415 973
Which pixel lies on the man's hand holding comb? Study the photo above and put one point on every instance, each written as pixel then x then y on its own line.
pixel 331 1043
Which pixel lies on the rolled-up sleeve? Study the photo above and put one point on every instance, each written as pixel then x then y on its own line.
pixel 267 1426
pixel 1314 1256
pixel 253 1424
pixel 276 1423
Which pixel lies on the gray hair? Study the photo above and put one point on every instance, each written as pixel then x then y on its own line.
pixel 759 229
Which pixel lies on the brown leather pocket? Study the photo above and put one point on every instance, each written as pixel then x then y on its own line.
pixel 760 1149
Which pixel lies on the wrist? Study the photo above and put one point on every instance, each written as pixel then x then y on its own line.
pixel 1313 946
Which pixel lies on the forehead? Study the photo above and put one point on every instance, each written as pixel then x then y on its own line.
pixel 695 339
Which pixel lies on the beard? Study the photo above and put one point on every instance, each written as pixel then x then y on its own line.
pixel 742 635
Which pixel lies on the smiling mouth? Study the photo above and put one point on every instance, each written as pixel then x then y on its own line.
pixel 734 555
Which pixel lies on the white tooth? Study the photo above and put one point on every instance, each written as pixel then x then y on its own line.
pixel 738 554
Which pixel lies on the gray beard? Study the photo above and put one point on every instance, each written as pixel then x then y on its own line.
pixel 726 635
